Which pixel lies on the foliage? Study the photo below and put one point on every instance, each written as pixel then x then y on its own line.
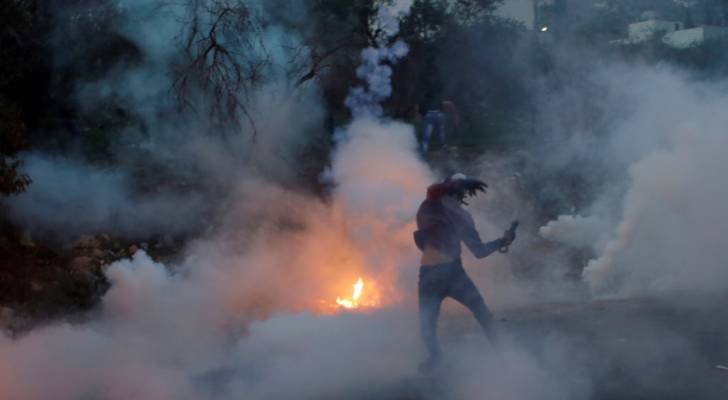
pixel 11 139
pixel 477 63
pixel 15 51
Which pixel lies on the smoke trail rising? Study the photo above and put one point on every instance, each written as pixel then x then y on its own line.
pixel 366 100
pixel 223 327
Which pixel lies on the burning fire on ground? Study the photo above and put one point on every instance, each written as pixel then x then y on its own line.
pixel 334 260
pixel 356 300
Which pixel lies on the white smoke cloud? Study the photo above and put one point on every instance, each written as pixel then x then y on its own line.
pixel 69 197
pixel 166 336
pixel 376 163
pixel 390 13
pixel 671 138
pixel 365 101
pixel 577 231
pixel 234 319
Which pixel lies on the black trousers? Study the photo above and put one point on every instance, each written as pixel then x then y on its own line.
pixel 448 280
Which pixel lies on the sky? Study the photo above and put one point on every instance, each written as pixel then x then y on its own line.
pixel 519 10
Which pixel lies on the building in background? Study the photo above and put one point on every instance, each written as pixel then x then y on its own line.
pixel 695 28
pixel 651 27
pixel 685 38
pixel 678 23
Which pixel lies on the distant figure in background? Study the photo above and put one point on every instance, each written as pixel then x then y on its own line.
pixel 442 225
pixel 436 112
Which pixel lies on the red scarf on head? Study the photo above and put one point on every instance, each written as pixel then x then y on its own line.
pixel 438 190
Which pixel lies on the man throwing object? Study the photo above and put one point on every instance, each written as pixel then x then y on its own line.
pixel 442 224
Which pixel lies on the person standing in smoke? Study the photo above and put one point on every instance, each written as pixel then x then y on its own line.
pixel 436 111
pixel 442 225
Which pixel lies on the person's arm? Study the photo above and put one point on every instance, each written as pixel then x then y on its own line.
pixel 471 238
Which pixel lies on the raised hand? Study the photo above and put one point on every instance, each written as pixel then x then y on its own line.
pixel 470 186
pixel 509 236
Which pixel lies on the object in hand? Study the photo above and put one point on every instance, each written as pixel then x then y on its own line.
pixel 509 236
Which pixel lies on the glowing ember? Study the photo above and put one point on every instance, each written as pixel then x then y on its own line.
pixel 353 302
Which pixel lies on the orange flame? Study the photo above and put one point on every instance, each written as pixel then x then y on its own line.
pixel 353 302
pixel 358 298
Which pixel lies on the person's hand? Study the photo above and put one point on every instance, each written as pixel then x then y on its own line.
pixel 509 236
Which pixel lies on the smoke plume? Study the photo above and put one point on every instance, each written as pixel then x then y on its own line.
pixel 365 101
pixel 250 308
pixel 663 238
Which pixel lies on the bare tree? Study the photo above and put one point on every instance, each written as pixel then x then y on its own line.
pixel 224 56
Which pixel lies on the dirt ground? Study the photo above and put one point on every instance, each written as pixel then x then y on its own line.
pixel 668 348
pixel 642 349
pixel 626 349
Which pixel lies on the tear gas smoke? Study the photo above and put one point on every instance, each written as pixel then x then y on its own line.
pixel 664 238
pixel 577 231
pixel 378 76
pixel 235 319
pixel 194 334
pixel 389 13
pixel 198 163
pixel 69 197
pixel 247 311
pixel 366 101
